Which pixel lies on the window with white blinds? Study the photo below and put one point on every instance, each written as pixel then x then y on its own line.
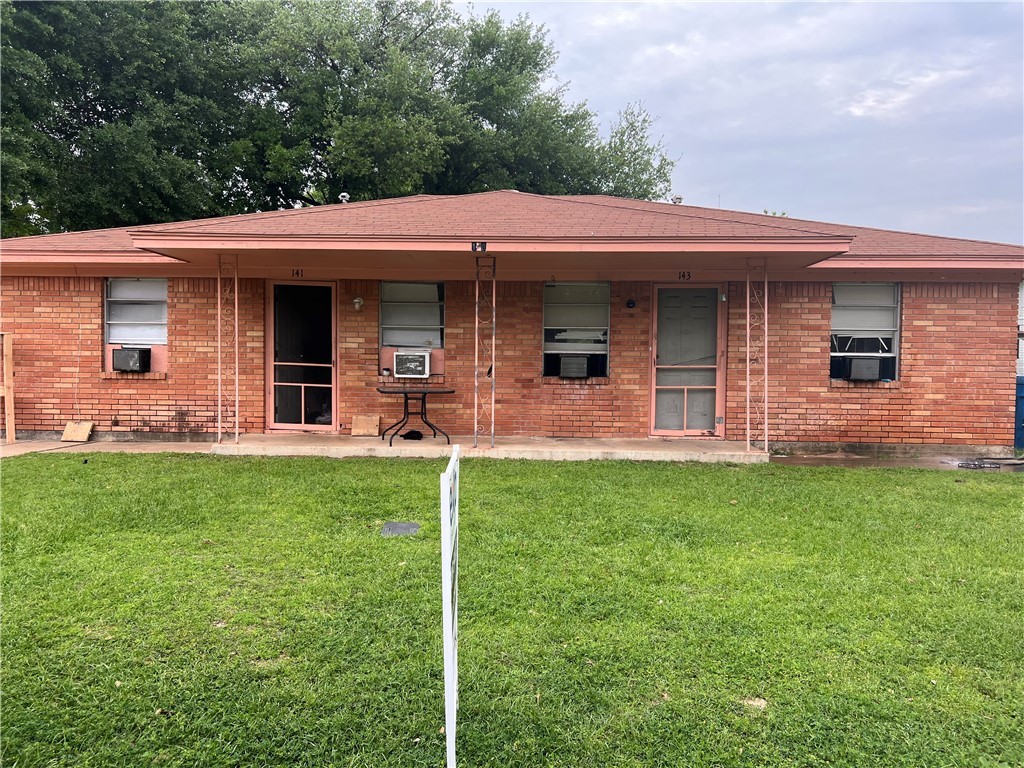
pixel 136 311
pixel 576 320
pixel 412 315
pixel 865 323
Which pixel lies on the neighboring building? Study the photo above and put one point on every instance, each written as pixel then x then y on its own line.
pixel 610 317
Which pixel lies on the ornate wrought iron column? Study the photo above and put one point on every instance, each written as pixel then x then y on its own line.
pixel 227 344
pixel 757 353
pixel 484 363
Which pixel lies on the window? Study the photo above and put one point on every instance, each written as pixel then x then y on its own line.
pixel 865 324
pixel 576 329
pixel 412 315
pixel 136 311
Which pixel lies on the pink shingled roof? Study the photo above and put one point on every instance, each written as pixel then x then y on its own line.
pixel 503 215
pixel 516 216
pixel 867 241
pixel 114 241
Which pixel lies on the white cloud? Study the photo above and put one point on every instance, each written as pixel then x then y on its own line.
pixel 896 99
pixel 821 109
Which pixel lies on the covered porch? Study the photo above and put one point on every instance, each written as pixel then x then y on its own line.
pixel 494 266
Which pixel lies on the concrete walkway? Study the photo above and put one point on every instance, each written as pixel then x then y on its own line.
pixel 551 449
pixel 23 446
pixel 537 448
pixel 344 446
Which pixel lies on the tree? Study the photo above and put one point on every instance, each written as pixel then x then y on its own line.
pixel 630 166
pixel 118 113
pixel 511 133
pixel 137 112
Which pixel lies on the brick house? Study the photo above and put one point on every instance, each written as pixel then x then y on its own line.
pixel 548 316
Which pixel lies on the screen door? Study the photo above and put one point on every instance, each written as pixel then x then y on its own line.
pixel 303 357
pixel 685 397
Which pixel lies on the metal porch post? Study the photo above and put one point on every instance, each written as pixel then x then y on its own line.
pixel 757 353
pixel 484 357
pixel 227 330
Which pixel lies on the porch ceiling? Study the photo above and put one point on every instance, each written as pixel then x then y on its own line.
pixel 517 260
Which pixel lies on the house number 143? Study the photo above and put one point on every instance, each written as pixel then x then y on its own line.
pixel 685 276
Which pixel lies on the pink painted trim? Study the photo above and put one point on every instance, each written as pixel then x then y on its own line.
pixel 722 318
pixel 199 243
pixel 476 360
pixel 238 373
pixel 268 356
pixel 911 262
pixel 748 358
pixel 84 257
pixel 220 352
pixel 764 361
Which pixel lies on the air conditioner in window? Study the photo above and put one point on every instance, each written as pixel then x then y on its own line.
pixel 862 369
pixel 572 367
pixel 132 359
pixel 412 363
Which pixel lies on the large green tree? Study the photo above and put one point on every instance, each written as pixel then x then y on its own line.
pixel 136 112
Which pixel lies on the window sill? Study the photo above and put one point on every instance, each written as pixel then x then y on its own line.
pixel 127 376
pixel 844 384
pixel 592 381
pixel 399 381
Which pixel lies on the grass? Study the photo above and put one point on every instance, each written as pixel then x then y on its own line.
pixel 194 610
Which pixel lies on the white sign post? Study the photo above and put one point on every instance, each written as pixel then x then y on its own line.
pixel 450 597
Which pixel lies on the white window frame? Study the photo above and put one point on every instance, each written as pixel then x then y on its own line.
pixel 118 293
pixel 431 328
pixel 890 331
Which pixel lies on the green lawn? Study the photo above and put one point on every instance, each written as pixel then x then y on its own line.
pixel 201 611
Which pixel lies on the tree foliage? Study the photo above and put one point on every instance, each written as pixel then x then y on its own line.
pixel 136 112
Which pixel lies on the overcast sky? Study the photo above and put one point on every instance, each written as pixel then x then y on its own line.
pixel 895 115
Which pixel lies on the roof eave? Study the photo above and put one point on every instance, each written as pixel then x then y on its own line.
pixel 921 262
pixel 73 258
pixel 168 244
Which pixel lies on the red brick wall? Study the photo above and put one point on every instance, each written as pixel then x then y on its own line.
pixel 956 363
pixel 57 325
pixel 527 403
pixel 955 386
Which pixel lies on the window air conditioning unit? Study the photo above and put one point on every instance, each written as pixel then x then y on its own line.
pixel 132 359
pixel 573 367
pixel 863 369
pixel 412 364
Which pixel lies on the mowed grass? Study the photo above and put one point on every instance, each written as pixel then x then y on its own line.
pixel 202 611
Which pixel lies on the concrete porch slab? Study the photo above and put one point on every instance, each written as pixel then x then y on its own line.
pixel 536 448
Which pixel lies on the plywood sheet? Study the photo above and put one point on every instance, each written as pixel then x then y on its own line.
pixel 77 432
pixel 366 426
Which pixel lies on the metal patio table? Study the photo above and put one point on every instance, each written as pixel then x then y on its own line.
pixel 421 395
